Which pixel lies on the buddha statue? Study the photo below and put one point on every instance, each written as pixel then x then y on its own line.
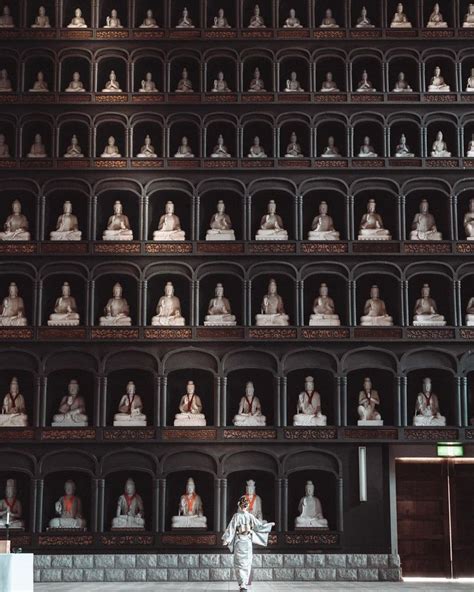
pixel 437 83
pixel 191 510
pixel 364 85
pixel 250 409
pixel 111 149
pixel 328 22
pixel 77 21
pixel 401 85
pixel 331 150
pixel 147 85
pixel 220 21
pixel 67 226
pixel 6 19
pixel 292 22
pixel 271 225
pixel 426 311
pixel 76 85
pixel 375 312
pixel 69 510
pixel 400 20
pixel 468 221
pixel 469 17
pixel 310 510
pixel 219 312
pixel 367 150
pixel 403 150
pixel 427 411
pixel 324 310
pixel 41 20
pixel 65 310
pixel 169 226
pixel 130 409
pixel 470 80
pixel 185 21
pixel 5 82
pixel 72 409
pixel 219 84
pixel 149 22
pixel 117 310
pixel 118 226
pixel 147 150
pixel 292 84
pixel 220 226
pixel 254 500
pixel 74 150
pixel 40 84
pixel 13 309
pixel 38 149
pixel 184 85
pixel 16 225
pixel 184 149
pixel 112 85
pixel 130 509
pixel 424 224
pixel 308 408
pixel 11 511
pixel 257 84
pixel 440 148
pixel 470 312
pixel 168 310
pixel 293 150
pixel 220 149
pixel 256 149
pixel 272 311
pixel 329 85
pixel 368 401
pixel 371 225
pixel 322 227
pixel 436 19
pixel 363 22
pixel 190 409
pixel 4 150
pixel 112 21
pixel 256 20
pixel 13 413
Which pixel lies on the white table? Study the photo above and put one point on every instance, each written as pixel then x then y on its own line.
pixel 16 572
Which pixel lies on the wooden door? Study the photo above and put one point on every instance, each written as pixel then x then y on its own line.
pixel 462 503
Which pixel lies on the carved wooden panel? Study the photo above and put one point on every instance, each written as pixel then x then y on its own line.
pixel 199 434
pixel 315 433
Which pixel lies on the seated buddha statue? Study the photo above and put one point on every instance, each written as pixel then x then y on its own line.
pixel 308 408
pixel 77 21
pixel 367 150
pixel 111 149
pixel 219 311
pixel 328 22
pixel 184 149
pixel 11 510
pixel 292 22
pixel 368 401
pixel 363 22
pixel 16 226
pixel 38 149
pixel 40 84
pixel 324 310
pixel 72 409
pixel 67 226
pixel 440 148
pixel 272 311
pixel 310 510
pixel 220 21
pixel 470 81
pixel 69 510
pixel 329 85
pixel 426 311
pixel 112 21
pixel 6 18
pixel 118 225
pixel 293 150
pixel 76 85
pixel 437 83
pixel 220 149
pixel 4 149
pixel 112 85
pixel 184 85
pixel 427 412
pixel 219 84
pixel 371 226
pixel 468 221
pixel 292 84
pixel 190 409
pixel 13 413
pixel 169 226
pixel 74 150
pixel 168 309
pixel 249 413
pixel 403 150
pixel 147 150
pixel 191 510
pixel 375 311
pixel 256 20
pixel 469 313
pixel 130 409
pixel 400 20
pixel 424 224
pixel 65 310
pixel 220 226
pixel 257 84
pixel 364 85
pixel 469 17
pixel 130 511
pixel 256 150
pixel 322 227
pixel 436 18
pixel 401 85
pixel 5 82
pixel 41 20
pixel 117 310
pixel 12 311
pixel 149 22
pixel 147 85
pixel 271 225
pixel 331 150
pixel 185 21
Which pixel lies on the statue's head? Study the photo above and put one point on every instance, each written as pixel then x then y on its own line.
pixel 437 71
pixel 130 487
pixel 439 135
pixel 169 207
pixel 74 141
pixel 471 8
pixel 424 206
pixel 374 292
pixel 147 140
pixel 329 76
pixel 367 384
pixel 220 140
pixel 323 290
pixel 190 486
pixel 13 290
pixel 292 12
pixel 256 73
pixel 399 7
pixel 366 141
pixel 363 12
pixel 69 487
pixel 2 138
pixel 331 141
pixel 309 384
pixel 117 290
pixel 42 11
pixel 323 208
pixel 471 204
pixel 427 384
pixel 220 207
pixel 40 76
pixel 6 10
pixel 149 13
pixel 309 488
pixel 293 76
pixel 220 76
pixel 184 141
pixel 131 388
pixel 293 137
pixel 371 204
pixel 149 77
pixel 250 487
pixel 4 73
pixel 257 10
pixel 256 141
pixel 118 206
pixel 14 386
pixel 78 13
pixel 184 73
pixel 111 142
pixel 271 207
pixel 328 13
pixel 243 504
pixel 219 290
pixel 112 75
pixel 66 290
pixel 16 207
pixel 220 12
pixel 113 13
pixel 169 289
pixel 190 387
pixel 272 287
pixel 185 11
pixel 425 290
pixel 249 389
pixel 365 75
pixel 10 488
pixel 436 7
pixel 73 387
pixel 38 139
pixel 76 76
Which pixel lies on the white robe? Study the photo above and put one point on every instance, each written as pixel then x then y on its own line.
pixel 243 530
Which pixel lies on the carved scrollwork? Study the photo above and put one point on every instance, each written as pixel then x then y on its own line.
pixel 201 434
pixel 122 434
pixel 64 540
pixel 431 434
pixel 326 539
pixel 310 433
pixel 313 248
pixel 189 540
pixel 62 434
pixel 249 434
pixel 126 540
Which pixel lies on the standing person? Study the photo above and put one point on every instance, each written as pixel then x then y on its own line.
pixel 242 531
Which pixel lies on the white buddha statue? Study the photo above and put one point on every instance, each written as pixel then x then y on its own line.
pixel 6 19
pixel 271 225
pixel 324 310
pixel 147 85
pixel 5 82
pixel 331 150
pixel 67 226
pixel 400 20
pixel 184 85
pixel 250 409
pixel 401 84
pixel 364 85
pixel 190 409
pixel 72 409
pixel 292 84
pixel 118 226
pixel 254 500
pixel 322 227
pixel 436 19
pixel 469 17
pixel 470 81
pixel 13 412
pixel 308 408
pixel 256 150
pixel 470 312
pixel 12 312
pixel 184 150
pixel 112 85
pixel 74 150
pixel 185 21
pixel 147 150
pixel 310 509
pixel 111 149
pixel 427 411
pixel 130 409
pixel 220 21
pixel 426 311
pixel 328 22
pixel 272 310
pixel 41 20
pixel 257 84
pixel 468 221
pixel 403 150
pixel 256 20
pixel 371 226
pixel 440 148
pixel 220 149
pixel 292 22
pixel 149 22
pixel 437 83
pixel 375 312
pixel 4 150
pixel 169 226
pixel 367 406
pixel 293 150
pixel 363 22
pixel 11 510
pixel 75 85
pixel 367 150
pixel 65 310
pixel 219 312
pixel 424 224
pixel 191 510
pixel 329 84
pixel 40 84
pixel 112 21
pixel 38 149
pixel 117 310
pixel 16 227
pixel 130 509
pixel 168 310
pixel 69 510
pixel 220 84
pixel 77 21
pixel 220 226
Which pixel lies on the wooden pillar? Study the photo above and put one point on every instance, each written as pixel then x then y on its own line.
pixel 223 395
pixel 404 402
pixel 283 397
pixel 223 503
pixel 164 396
pixel 155 505
pixel 162 505
pixel 217 401
pixel 39 486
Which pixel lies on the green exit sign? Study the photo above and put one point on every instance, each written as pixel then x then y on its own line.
pixel 450 449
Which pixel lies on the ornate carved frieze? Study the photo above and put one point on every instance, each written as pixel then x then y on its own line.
pixel 65 248
pixel 412 97
pixel 62 333
pixel 371 433
pixel 36 163
pixel 428 248
pixel 368 163
pixel 249 434
pixel 220 333
pixel 294 98
pixel 156 163
pixel 269 248
pixel 321 539
pixel 326 333
pixel 175 248
pixel 220 98
pixel 65 540
pixel 14 434
pixel 405 162
pixel 439 98
pixel 125 434
pixel 226 248
pixel 249 163
pixel 437 33
pixel 219 34
pixel 72 98
pixel 215 163
pixel 466 333
pixel 465 248
pixel 114 333
pixel 430 333
pixel 184 33
pixel 114 34
pixel 168 334
pixel 330 98
pixel 469 433
pixel 62 434
pixel 75 34
pixel 257 34
pixel 117 248
pixel 127 540
pixel 273 333
pixel 292 33
pixel 324 248
pixel 102 163
pixel 431 434
pixel 315 433
pixel 145 34
pixel 375 247
pixel 19 248
pixel 329 33
pixel 189 540
pixel 199 434
pixel 442 163
pixel 294 163
pixel 73 163
pixel 367 98
pixel 148 99
pixel 16 333
pixel 384 333
pixel 257 97
pixel 365 33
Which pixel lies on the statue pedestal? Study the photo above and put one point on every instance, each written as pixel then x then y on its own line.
pixel 189 420
pixel 440 25
pixel 374 234
pixel 63 322
pixel 250 421
pixel 189 522
pixel 370 422
pixel 425 236
pixel 114 322
pixel 309 525
pixel 67 524
pixel 14 420
pixel 470 320
pixel 264 320
pixel 220 321
pixel 305 419
pixel 327 235
pixel 158 321
pixel 128 523
pixel 428 321
pixel 220 235
pixel 429 421
pixel 13 321
pixel 444 88
pixel 323 320
pixel 117 235
pixel 134 422
pixel 169 235
pixel 73 235
pixel 68 422
pixel 384 321
pixel 271 235
pixel 15 236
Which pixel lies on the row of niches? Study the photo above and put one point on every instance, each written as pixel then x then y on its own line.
pixel 247 14
pixel 173 214
pixel 218 296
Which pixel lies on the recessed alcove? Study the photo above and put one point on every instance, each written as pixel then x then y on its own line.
pixel 224 62
pixel 449 130
pixel 54 489
pixel 374 12
pixel 57 388
pixel 325 489
pixel 408 125
pixel 441 290
pixel 300 125
pixel 43 127
pixel 285 288
pixel 106 128
pixel 24 283
pixel 385 206
pixel 40 62
pixel 15 12
pixel 234 207
pixel 266 12
pixel 117 381
pixel 334 126
pixel 261 127
pixel 32 8
pixel 230 11
pixel 141 7
pixel 105 209
pixel 302 8
pixel 220 125
pixel 147 124
pixel 389 291
pixel 108 63
pixel 335 63
pixel 8 129
pixel 405 62
pixel 10 64
pixel 106 7
pixel 324 384
pixel 186 126
pixel 467 291
pixel 265 485
pixel 157 280
pixel 285 208
pixel 176 482
pixel 145 63
pixel 104 284
pixel 182 201
pixel 252 59
pixel 53 281
pixel 446 62
pixel 443 386
pixel 338 12
pixel 185 60
pixel 233 291
pixel 264 388
pixel 69 7
pixel 24 485
pixel 175 12
pixel 410 9
pixel 466 60
pixel 338 290
pixel 204 388
pixel 372 64
pixel 55 199
pixel 464 198
pixel 80 127
pixel 79 62
pixel 470 397
pixel 26 384
pixel 28 201
pixel 446 8
pixel 115 486
pixel 383 382
pixel 294 62
pixel 373 128
pixel 439 207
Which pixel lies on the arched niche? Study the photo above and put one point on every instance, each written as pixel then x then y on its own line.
pixel 79 61
pixel 230 11
pixel 325 489
pixel 104 283
pixel 106 7
pixel 53 278
pixel 302 8
pixel 441 290
pixel 129 199
pixel 285 287
pixel 117 381
pixel 68 11
pixel 57 388
pixel 157 278
pixel 388 282
pixel 386 207
pixel 331 125
pixel 266 12
pixel 300 125
pixel 231 192
pixel 369 357
pixel 383 381
pixel 148 61
pixel 261 126
pixel 186 125
pixel 10 64
pixel 140 10
pixel 410 9
pixel 439 205
pixel 465 193
pixel 261 59
pixel 285 208
pixel 265 487
pixel 337 284
pixel 39 61
pixel 147 124
pixel 74 124
pixel 443 386
pixel 374 12
pixel 466 276
pixel 42 125
pixel 467 65
pixel 107 126
pixel 468 133
pixel 15 12
pixel 54 489
pixel 334 63
pixel 178 359
pixel 294 62
pixel 221 124
pixel 335 197
pixel 176 487
pixel 409 125
pixel 443 60
pixel 448 127
pixel 406 62
pixel 372 64
pixel 27 385
pixel 115 487
pixel 265 388
pixel 324 383
pixel 232 283
pixel 108 61
pixel 73 190
pixel 189 60
pixel 22 276
pixel 205 388
pixel 251 358
pixel 28 197
pixel 337 8
pixel 371 127
pixel 175 11
pixel 8 127
pixel 180 194
pixel 24 487
pixel 446 8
